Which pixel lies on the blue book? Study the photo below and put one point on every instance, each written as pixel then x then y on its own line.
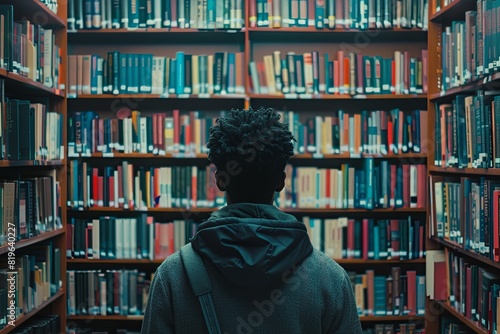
pixel 180 76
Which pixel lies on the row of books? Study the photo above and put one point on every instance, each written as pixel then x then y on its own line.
pixel 51 4
pixel 187 133
pixel 336 14
pixel 397 294
pixel 73 329
pixel 133 14
pixel 403 328
pixel 466 213
pixel 472 290
pixel 118 292
pixel 130 186
pixel 366 186
pixel 30 132
pixel 48 323
pixel 184 75
pixel 29 207
pixel 30 280
pixel 350 73
pixel 141 237
pixel 368 239
pixel 467 131
pixel 469 49
pixel 29 50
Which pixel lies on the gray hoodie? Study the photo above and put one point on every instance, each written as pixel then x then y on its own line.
pixel 265 275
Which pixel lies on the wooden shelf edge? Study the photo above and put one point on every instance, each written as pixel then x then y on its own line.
pixel 373 262
pixel 36 163
pixel 469 323
pixel 311 29
pixel 361 97
pixel 156 96
pixel 205 156
pixel 466 171
pixel 105 317
pixel 140 318
pixel 287 210
pixel 29 315
pixel 469 88
pixel 31 83
pixel 439 16
pixel 42 12
pixel 28 242
pixel 156 30
pixel 466 253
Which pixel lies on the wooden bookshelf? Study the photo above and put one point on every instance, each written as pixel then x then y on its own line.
pixel 23 88
pixel 439 21
pixel 31 241
pixel 253 42
pixel 469 323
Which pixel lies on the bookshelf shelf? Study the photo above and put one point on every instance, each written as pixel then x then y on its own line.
pixel 22 86
pixel 261 34
pixel 155 96
pixel 491 82
pixel 292 211
pixel 35 163
pixel 378 262
pixel 140 318
pixel 337 97
pixel 28 242
pixel 466 171
pixel 454 11
pixel 457 248
pixel 106 317
pixel 469 323
pixel 155 35
pixel 130 262
pixel 205 156
pixel 36 12
pixel 26 317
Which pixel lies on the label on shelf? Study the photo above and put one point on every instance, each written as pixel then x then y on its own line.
pixel 183 96
pixel 291 96
pixel 306 96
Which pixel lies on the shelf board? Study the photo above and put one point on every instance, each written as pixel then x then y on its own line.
pixel 140 318
pixel 378 262
pixel 469 323
pixel 291 211
pixel 152 35
pixel 27 242
pixel 120 155
pixel 114 261
pixel 26 317
pixel 311 34
pixel 454 11
pixel 465 171
pixel 21 163
pixel 382 318
pixel 337 97
pixel 156 96
pixel 457 248
pixel 105 317
pixel 36 12
pixel 490 82
pixel 22 86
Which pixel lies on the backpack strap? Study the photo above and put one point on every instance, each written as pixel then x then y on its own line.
pixel 200 283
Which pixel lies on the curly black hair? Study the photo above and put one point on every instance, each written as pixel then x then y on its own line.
pixel 251 146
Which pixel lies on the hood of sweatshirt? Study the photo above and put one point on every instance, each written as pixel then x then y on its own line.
pixel 252 245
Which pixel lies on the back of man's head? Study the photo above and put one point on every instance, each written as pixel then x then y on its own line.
pixel 250 150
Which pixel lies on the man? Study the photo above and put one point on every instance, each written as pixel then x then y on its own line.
pixel 265 274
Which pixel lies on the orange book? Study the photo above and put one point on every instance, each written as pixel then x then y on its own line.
pixel 347 75
pixel 336 77
pixel 357 134
pixel 370 282
pixel 340 59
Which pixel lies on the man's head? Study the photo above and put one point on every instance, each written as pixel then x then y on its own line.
pixel 250 150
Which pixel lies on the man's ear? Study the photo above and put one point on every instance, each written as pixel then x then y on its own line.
pixel 281 183
pixel 221 180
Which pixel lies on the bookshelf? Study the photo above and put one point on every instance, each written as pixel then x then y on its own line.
pixel 452 170
pixel 254 43
pixel 31 164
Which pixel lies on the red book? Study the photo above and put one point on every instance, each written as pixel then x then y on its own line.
pixel 393 177
pixel 395 239
pixel 95 186
pixel 177 129
pixel 100 191
pixel 440 288
pixel 406 186
pixel 155 133
pixel 328 194
pixel 366 238
pixel 350 239
pixel 336 76
pixel 111 191
pixel 411 289
pixel 252 15
pixel 120 187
